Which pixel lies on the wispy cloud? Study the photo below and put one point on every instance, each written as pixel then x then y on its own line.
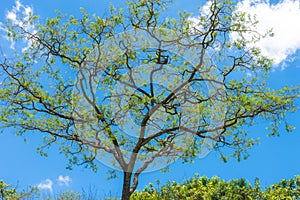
pixel 46 185
pixel 64 180
pixel 283 19
pixel 19 15
pixel 204 11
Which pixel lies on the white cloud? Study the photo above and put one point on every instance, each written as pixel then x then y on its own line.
pixel 283 18
pixel 204 11
pixel 18 5
pixel 19 15
pixel 46 185
pixel 64 180
pixel 28 10
pixel 11 16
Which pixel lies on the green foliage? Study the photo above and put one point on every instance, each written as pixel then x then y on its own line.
pixel 67 195
pixel 7 192
pixel 79 82
pixel 214 188
pixel 196 188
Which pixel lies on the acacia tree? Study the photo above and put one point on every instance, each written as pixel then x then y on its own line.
pixel 136 90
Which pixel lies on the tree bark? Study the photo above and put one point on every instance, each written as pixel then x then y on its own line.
pixel 126 193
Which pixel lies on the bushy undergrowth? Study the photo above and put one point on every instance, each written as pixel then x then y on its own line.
pixel 196 188
pixel 199 188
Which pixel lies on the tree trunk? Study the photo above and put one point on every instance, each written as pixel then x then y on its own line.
pixel 126 193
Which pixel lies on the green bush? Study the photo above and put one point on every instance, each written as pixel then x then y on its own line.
pixel 203 188
pixel 196 188
pixel 7 192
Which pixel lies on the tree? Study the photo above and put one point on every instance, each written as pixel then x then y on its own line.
pixel 148 89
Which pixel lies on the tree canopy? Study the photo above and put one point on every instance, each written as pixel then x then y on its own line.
pixel 136 90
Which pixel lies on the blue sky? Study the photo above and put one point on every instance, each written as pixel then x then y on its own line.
pixel 272 160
